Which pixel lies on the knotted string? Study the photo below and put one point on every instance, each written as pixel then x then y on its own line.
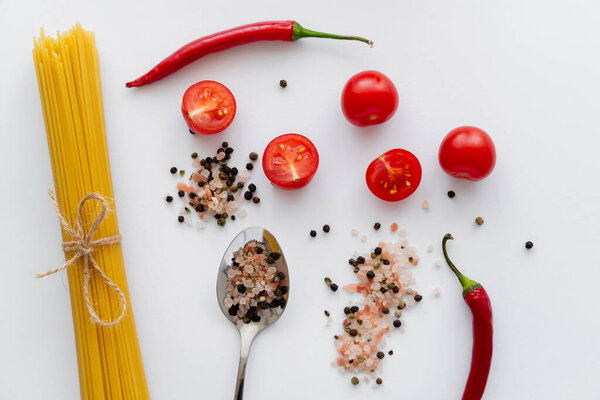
pixel 83 246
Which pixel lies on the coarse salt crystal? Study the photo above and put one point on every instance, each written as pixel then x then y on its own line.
pixel 354 232
pixel 425 204
pixel 436 292
pixel 402 232
pixel 242 213
pixel 438 263
pixel 363 238
pixel 430 248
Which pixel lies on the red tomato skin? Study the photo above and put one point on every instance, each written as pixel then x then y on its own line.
pixel 467 152
pixel 379 170
pixel 186 104
pixel 369 98
pixel 276 177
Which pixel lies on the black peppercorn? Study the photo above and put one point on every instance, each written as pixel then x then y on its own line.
pixel 225 145
pixel 180 218
pixel 193 195
pixel 418 297
pixel 169 199
pixel 283 83
pixel 385 310
pixel 354 309
pixel 256 200
pixel 241 289
pixel 391 352
pixel 326 228
pixel 379 381
pixel 377 226
pixel 248 195
pixel 181 193
pixel 173 170
pixel 380 354
pixel 353 332
pixel 333 287
pixel 249 166
pixel 313 233
pixel 360 260
pixel 451 194
pixel 397 323
pixel 252 187
pixel 370 274
pixel 528 245
pixel 377 250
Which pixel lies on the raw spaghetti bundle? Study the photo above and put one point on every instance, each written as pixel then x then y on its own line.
pixel 108 353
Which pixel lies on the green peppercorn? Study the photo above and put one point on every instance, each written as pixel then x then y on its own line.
pixel 328 281
pixel 479 221
pixel 253 156
pixel 221 222
pixel 354 380
pixel 194 155
pixel 401 305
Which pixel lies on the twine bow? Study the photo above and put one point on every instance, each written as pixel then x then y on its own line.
pixel 83 246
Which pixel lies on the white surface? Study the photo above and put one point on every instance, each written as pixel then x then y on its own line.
pixel 524 70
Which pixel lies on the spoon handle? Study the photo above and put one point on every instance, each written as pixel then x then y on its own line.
pixel 246 336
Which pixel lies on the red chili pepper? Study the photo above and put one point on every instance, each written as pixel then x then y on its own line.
pixel 478 301
pixel 271 30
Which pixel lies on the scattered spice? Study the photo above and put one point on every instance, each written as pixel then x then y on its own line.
pixel 326 228
pixel 283 83
pixel 376 226
pixel 528 245
pixel 383 279
pixel 479 221
pixel 213 189
pixel 313 233
pixel 451 194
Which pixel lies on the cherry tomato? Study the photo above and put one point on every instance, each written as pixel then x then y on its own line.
pixel 290 161
pixel 369 98
pixel 467 152
pixel 394 175
pixel 208 107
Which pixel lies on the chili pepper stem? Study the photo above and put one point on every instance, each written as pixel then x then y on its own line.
pixel 468 284
pixel 300 32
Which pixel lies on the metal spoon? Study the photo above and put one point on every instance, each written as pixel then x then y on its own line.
pixel 249 330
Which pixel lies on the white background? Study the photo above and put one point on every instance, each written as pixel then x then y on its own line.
pixel 526 71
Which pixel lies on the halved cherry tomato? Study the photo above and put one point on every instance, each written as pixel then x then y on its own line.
pixel 290 161
pixel 208 107
pixel 369 98
pixel 394 175
pixel 467 152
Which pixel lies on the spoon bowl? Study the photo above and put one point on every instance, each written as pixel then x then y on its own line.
pixel 249 329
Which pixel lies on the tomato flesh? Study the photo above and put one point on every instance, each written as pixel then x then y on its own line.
pixel 290 161
pixel 369 98
pixel 394 175
pixel 208 107
pixel 467 152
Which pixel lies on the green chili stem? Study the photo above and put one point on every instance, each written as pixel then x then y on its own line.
pixel 301 32
pixel 467 284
